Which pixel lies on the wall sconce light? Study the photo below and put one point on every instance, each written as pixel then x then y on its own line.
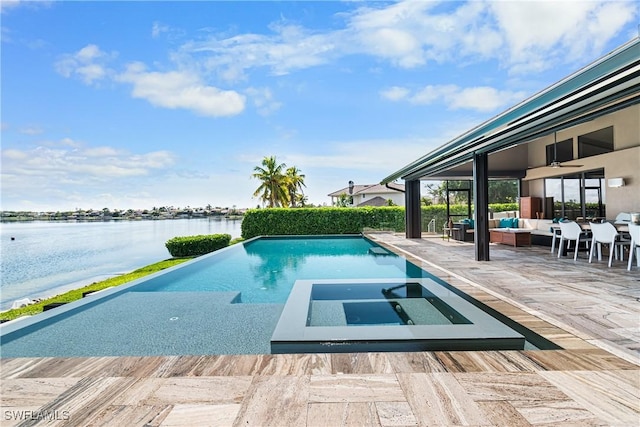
pixel 615 182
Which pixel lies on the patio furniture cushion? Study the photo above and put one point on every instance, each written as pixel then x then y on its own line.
pixel 508 223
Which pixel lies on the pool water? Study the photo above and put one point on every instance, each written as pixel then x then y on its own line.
pixel 359 304
pixel 264 270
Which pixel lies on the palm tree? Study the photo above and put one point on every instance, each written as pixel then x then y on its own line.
pixel 343 200
pixel 273 189
pixel 295 182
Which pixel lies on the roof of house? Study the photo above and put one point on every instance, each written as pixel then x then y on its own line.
pixel 608 84
pixel 374 201
pixel 391 187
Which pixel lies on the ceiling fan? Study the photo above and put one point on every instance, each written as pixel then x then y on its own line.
pixel 555 163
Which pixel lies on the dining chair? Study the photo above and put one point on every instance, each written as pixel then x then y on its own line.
pixel 555 236
pixel 605 233
pixel 634 231
pixel 571 231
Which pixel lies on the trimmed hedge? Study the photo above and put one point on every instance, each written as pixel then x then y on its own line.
pixel 196 245
pixel 310 221
pixel 502 207
pixel 305 221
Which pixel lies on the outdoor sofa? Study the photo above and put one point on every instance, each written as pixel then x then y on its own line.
pixel 540 229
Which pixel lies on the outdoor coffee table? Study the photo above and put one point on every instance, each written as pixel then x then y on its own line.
pixel 510 236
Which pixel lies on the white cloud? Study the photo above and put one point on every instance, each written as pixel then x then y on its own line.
pixel 6 5
pixel 181 90
pixel 13 154
pixel 157 29
pixel 395 93
pixel 523 37
pixel 64 162
pixel 379 155
pixel 89 64
pixel 480 98
pixel 410 34
pixel 289 48
pixel 483 98
pixel 173 89
pixel 544 33
pixel 9 4
pixel 31 130
pixel 263 100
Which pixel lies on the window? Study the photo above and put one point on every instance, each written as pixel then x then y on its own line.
pixel 578 196
pixel 561 151
pixel 594 143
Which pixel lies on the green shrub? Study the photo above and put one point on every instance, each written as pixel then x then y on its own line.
pixel 503 207
pixel 196 245
pixel 310 221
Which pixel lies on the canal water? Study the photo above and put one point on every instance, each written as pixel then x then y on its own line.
pixel 45 258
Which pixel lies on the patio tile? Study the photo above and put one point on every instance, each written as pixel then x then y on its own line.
pixel 131 415
pixel 508 386
pixel 33 391
pixel 395 414
pixel 439 399
pixel 139 392
pixel 201 415
pixel 339 414
pixel 613 396
pixel 502 413
pixel 209 390
pixel 556 413
pixel 355 388
pixel 416 362
pixel 275 401
pixel 86 399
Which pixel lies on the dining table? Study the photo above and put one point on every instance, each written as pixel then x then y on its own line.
pixel 621 227
pixel 586 226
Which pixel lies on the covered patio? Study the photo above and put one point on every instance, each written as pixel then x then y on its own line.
pixel 583 131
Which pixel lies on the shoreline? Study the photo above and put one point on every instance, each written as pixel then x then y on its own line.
pixel 77 293
pixel 59 290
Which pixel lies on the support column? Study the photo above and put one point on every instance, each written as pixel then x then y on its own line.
pixel 412 209
pixel 481 205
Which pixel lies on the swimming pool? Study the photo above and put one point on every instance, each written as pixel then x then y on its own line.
pixel 227 302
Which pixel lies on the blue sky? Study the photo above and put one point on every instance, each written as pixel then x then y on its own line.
pixel 142 104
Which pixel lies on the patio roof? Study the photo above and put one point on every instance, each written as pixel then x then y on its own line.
pixel 607 85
